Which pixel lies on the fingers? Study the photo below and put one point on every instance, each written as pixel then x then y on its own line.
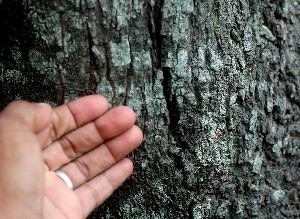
pixel 50 124
pixel 89 136
pixel 96 191
pixel 76 113
pixel 101 158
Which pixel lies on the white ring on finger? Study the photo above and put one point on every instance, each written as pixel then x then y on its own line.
pixel 65 178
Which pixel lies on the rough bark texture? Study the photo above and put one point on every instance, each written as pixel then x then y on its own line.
pixel 215 85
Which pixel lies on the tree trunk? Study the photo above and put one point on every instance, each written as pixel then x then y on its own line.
pixel 215 85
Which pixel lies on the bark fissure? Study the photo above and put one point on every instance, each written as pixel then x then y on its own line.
pixel 108 70
pixel 93 65
pixel 172 106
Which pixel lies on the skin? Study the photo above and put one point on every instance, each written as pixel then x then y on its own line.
pixel 82 138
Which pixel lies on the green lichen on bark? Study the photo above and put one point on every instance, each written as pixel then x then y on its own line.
pixel 217 62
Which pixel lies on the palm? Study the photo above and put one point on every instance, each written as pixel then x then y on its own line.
pixel 89 144
pixel 60 202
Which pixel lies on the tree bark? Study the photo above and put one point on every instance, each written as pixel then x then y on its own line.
pixel 215 86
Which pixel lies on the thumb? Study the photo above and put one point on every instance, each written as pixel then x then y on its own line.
pixel 35 116
pixel 21 164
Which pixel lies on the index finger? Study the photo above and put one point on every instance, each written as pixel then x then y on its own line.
pixel 76 113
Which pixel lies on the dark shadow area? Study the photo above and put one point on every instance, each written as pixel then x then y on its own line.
pixel 18 79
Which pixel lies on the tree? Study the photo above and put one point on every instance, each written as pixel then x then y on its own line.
pixel 215 85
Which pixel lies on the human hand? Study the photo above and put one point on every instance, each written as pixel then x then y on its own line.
pixel 83 139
